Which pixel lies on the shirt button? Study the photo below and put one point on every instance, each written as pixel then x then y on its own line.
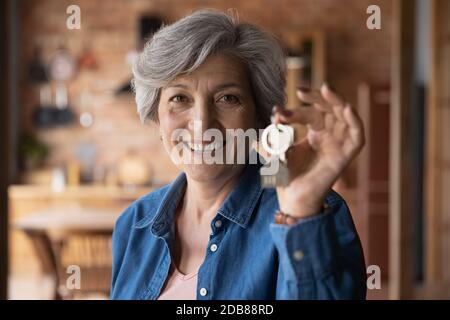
pixel 298 255
pixel 203 292
pixel 213 247
pixel 218 223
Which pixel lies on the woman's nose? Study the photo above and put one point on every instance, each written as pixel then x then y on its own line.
pixel 202 116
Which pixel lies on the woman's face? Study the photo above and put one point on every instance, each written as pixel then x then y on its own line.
pixel 215 96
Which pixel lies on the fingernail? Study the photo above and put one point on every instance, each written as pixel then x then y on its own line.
pixel 287 113
pixel 303 89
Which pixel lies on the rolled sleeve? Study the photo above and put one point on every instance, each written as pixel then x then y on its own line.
pixel 321 256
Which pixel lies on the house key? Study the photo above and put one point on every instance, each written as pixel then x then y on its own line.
pixel 276 139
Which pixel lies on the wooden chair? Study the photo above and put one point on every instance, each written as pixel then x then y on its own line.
pixel 72 243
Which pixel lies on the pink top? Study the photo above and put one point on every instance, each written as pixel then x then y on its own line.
pixel 179 286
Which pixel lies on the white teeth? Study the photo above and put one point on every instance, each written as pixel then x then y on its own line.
pixel 198 147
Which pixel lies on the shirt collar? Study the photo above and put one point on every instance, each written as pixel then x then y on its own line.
pixel 241 202
pixel 238 207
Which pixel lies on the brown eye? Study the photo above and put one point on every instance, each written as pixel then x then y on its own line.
pixel 230 99
pixel 178 98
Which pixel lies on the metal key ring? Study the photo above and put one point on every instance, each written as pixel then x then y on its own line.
pixel 279 127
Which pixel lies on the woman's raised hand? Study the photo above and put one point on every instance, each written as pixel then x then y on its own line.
pixel 335 135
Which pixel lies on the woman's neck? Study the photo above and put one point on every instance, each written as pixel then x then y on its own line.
pixel 203 198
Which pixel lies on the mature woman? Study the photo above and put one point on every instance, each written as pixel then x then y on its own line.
pixel 214 232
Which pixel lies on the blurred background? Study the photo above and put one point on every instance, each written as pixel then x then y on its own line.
pixel 74 154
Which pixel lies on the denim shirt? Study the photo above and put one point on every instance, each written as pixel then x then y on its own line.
pixel 319 257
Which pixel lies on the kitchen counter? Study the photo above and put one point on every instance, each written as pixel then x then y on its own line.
pixel 77 192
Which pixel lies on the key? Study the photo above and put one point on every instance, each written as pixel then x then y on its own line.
pixel 279 179
pixel 276 140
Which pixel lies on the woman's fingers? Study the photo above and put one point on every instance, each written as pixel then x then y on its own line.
pixel 329 121
pixel 339 113
pixel 355 126
pixel 330 96
pixel 257 145
pixel 337 102
pixel 315 98
pixel 339 119
pixel 340 131
pixel 325 99
pixel 307 116
pixel 277 114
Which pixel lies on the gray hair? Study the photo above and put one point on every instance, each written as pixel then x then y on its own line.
pixel 183 46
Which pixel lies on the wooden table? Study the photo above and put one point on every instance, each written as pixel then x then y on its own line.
pixel 50 230
pixel 25 200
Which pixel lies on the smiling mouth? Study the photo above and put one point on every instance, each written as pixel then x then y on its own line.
pixel 204 147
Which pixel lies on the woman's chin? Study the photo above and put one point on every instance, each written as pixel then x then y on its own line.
pixel 206 172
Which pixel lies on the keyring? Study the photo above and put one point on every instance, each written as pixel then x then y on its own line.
pixel 283 143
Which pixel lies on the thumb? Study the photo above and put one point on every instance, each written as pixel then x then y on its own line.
pixel 257 145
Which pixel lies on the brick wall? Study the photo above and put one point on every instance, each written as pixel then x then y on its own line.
pixel 109 27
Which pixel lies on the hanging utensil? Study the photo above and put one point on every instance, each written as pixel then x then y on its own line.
pixel 62 66
pixel 64 114
pixel 43 116
pixel 37 69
